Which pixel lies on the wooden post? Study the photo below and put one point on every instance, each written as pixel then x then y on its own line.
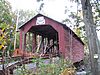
pixel 53 47
pixel 23 41
pixel 70 41
pixel 57 47
pixel 33 42
pixel 43 44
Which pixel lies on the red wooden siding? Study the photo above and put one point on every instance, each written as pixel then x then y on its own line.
pixel 74 49
pixel 71 48
pixel 60 31
pixel 78 50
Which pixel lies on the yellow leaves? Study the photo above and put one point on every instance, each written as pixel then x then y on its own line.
pixel 78 31
pixel 68 71
pixel 3 29
pixel 2 38
pixel 1 46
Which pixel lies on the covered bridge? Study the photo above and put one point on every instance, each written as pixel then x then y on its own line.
pixel 44 35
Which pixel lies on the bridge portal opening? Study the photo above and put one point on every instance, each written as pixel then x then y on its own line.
pixel 44 40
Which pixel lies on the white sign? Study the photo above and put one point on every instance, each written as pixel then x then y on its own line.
pixel 40 20
pixel 96 56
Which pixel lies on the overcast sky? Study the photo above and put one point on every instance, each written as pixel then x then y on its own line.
pixel 53 8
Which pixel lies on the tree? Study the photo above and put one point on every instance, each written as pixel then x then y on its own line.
pixel 7 24
pixel 5 12
pixel 7 27
pixel 91 34
pixel 90 28
pixel 41 6
pixel 91 18
pixel 22 16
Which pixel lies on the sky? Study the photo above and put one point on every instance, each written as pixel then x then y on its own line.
pixel 53 8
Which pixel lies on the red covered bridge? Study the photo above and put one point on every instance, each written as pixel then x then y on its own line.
pixel 44 35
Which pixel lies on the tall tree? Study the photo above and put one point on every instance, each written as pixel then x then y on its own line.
pixel 7 27
pixel 90 28
pixel 7 24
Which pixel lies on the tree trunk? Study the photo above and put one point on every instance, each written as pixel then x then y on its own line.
pixel 90 28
